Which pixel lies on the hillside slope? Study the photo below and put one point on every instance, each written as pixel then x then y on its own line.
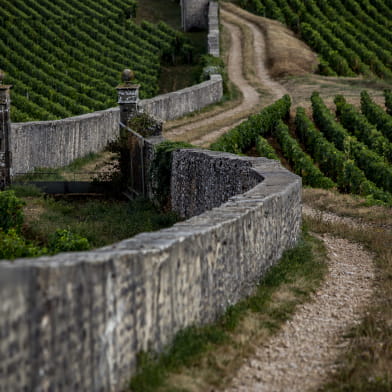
pixel 64 57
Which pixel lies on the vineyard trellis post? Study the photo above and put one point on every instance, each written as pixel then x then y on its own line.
pixel 5 131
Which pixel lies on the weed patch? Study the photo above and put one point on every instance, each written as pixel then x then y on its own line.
pixel 100 222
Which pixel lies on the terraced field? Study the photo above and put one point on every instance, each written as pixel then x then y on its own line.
pixel 353 37
pixel 64 57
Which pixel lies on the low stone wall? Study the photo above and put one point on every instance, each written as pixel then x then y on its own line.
pixel 213 29
pixel 188 100
pixel 57 143
pixel 75 321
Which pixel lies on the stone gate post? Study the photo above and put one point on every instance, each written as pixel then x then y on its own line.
pixel 5 131
pixel 128 96
pixel 131 149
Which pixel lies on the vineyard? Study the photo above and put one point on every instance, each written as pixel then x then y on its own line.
pixel 350 152
pixel 64 58
pixel 352 37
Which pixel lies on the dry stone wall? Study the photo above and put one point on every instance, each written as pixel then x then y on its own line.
pixel 75 321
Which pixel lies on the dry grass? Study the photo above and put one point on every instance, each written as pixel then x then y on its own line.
pixel 347 206
pixel 287 55
pixel 302 87
pixel 368 361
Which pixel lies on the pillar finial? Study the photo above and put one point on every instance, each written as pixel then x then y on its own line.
pixel 127 76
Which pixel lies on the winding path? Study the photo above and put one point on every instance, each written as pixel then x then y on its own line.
pixel 302 355
pixel 251 101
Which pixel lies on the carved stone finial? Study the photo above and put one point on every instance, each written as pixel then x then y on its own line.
pixel 2 76
pixel 127 76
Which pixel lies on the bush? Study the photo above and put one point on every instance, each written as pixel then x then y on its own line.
pixel 66 241
pixel 12 246
pixel 11 213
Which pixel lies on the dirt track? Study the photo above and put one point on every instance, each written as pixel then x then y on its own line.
pixel 251 98
pixel 303 353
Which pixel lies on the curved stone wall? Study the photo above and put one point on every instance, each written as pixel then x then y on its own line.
pixel 75 321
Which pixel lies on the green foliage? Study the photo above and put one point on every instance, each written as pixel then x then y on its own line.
pixel 264 149
pixel 367 160
pixel 64 58
pixel 212 65
pixel 334 163
pixel 244 136
pixel 301 163
pixel 345 34
pixel 358 125
pixel 66 241
pixel 11 211
pixel 141 122
pixel 26 190
pixel 13 245
pixel 101 222
pixel 161 169
pixel 376 115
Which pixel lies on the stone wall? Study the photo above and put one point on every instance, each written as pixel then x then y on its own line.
pixel 194 14
pixel 57 143
pixel 213 29
pixel 75 321
pixel 196 187
pixel 188 100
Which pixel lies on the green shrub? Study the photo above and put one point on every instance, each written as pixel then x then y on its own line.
pixel 12 246
pixel 11 213
pixel 66 241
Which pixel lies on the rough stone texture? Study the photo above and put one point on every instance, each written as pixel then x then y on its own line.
pixel 57 143
pixel 194 14
pixel 201 182
pixel 213 29
pixel 75 321
pixel 178 103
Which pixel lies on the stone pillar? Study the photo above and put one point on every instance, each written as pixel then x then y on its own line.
pixel 5 131
pixel 131 148
pixel 128 97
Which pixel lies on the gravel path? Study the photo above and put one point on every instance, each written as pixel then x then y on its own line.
pixel 304 352
pixel 251 97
